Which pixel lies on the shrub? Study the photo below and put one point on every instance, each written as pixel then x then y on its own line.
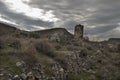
pixel 83 53
pixel 1 44
pixel 25 34
pixel 9 41
pixel 29 58
pixel 113 48
pixel 45 47
pixel 15 43
pixel 82 76
pixel 119 47
pixel 21 34
pixel 33 35
pixel 57 47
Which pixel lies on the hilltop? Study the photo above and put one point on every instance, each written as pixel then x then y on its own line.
pixel 56 54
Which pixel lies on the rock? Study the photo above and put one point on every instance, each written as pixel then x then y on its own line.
pixel 23 76
pixel 1 74
pixel 16 77
pixel 20 64
pixel 61 70
pixel 30 74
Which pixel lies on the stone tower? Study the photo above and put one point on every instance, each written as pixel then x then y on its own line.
pixel 78 32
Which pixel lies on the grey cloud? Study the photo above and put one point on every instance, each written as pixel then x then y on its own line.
pixel 70 25
pixel 102 29
pixel 105 16
pixel 114 33
pixel 22 20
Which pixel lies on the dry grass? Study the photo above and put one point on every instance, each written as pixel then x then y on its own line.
pixel 9 41
pixel 119 47
pixel 29 52
pixel 25 49
pixel 43 46
pixel 1 44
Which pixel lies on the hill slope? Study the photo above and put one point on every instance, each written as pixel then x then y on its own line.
pixel 6 29
pixel 54 54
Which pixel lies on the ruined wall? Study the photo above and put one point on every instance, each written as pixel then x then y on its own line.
pixel 78 33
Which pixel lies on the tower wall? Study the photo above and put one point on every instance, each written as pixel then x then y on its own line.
pixel 78 32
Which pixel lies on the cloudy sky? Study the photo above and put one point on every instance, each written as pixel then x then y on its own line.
pixel 101 18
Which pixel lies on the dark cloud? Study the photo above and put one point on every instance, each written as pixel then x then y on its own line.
pixel 70 25
pixel 103 14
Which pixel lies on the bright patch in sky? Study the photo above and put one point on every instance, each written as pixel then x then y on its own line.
pixel 91 27
pixel 91 9
pixel 26 0
pixel 118 23
pixel 118 29
pixel 21 6
pixel 38 27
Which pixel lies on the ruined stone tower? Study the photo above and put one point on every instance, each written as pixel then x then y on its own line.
pixel 78 32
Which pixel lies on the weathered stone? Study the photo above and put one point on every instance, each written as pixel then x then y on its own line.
pixel 78 33
pixel 23 76
pixel 16 77
pixel 20 64
pixel 1 74
pixel 55 37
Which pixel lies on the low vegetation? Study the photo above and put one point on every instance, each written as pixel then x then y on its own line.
pixel 44 47
pixel 57 60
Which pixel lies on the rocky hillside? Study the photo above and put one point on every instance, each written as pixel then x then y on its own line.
pixel 55 54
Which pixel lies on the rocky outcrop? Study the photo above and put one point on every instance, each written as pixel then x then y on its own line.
pixel 55 34
pixel 114 40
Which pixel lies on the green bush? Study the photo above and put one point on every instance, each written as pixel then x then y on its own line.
pixel 24 34
pixel 33 35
